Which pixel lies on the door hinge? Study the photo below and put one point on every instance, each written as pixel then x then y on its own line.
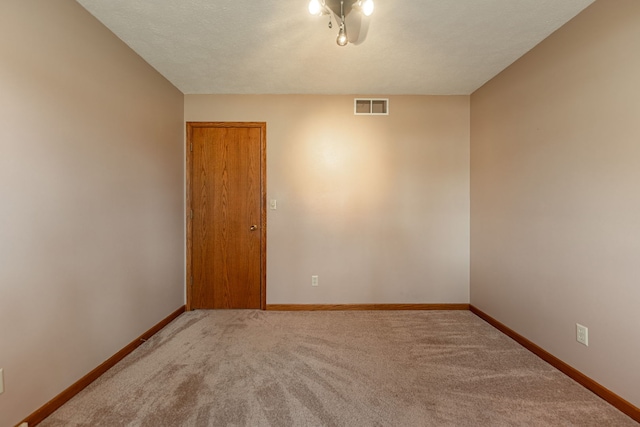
pixel 191 147
pixel 191 214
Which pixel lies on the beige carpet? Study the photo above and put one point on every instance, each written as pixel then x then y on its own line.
pixel 410 368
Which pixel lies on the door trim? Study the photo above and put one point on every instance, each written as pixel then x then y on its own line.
pixel 263 202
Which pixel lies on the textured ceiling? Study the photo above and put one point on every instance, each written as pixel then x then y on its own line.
pixel 441 47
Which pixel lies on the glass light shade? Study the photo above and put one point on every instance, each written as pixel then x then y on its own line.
pixel 315 8
pixel 367 7
pixel 342 37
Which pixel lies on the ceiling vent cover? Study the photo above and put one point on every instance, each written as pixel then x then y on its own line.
pixel 371 107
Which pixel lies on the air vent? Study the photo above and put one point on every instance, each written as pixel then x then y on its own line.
pixel 370 107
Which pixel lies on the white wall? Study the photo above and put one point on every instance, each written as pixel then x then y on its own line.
pixel 555 195
pixel 376 206
pixel 91 199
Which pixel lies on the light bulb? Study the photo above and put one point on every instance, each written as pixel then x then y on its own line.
pixel 315 8
pixel 342 36
pixel 367 7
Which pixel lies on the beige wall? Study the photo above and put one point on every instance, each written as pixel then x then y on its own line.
pixel 555 195
pixel 91 199
pixel 376 206
pixel 91 202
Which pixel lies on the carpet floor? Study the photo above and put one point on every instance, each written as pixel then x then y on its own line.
pixel 352 368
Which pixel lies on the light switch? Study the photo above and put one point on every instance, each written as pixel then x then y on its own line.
pixel 273 204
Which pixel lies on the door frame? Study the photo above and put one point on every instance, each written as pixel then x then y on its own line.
pixel 263 202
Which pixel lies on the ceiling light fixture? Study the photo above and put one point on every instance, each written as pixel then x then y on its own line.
pixel 342 39
pixel 365 6
pixel 342 36
pixel 330 7
pixel 315 7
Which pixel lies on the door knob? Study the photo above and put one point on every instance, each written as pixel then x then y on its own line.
pixel 253 228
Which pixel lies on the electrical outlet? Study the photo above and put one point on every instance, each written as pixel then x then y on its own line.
pixel 1 380
pixel 314 280
pixel 582 334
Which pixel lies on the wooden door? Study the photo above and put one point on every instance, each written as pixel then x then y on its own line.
pixel 227 227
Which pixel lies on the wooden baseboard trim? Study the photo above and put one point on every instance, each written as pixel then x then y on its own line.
pixel 352 307
pixel 50 407
pixel 626 407
pixel 606 394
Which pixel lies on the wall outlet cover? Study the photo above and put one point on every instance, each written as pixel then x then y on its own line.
pixel 582 334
